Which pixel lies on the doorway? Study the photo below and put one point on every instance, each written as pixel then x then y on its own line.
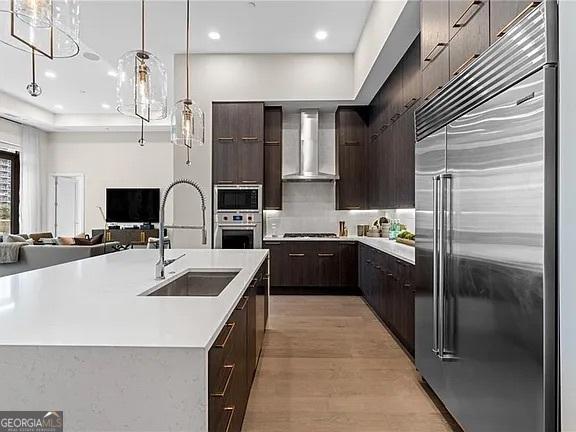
pixel 67 204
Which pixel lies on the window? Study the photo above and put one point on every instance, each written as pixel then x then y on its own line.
pixel 9 191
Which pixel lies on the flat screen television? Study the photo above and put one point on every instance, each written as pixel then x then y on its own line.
pixel 133 205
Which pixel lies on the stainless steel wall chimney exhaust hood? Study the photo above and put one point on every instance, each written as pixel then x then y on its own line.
pixel 309 153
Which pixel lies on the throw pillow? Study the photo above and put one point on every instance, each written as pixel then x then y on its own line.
pixel 13 238
pixel 66 241
pixel 89 242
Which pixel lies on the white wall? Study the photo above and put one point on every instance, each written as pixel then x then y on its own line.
pixel 109 159
pixel 389 30
pixel 254 77
pixel 9 133
pixel 567 213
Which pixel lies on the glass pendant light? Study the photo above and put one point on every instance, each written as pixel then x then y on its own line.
pixel 41 27
pixel 47 27
pixel 142 88
pixel 187 125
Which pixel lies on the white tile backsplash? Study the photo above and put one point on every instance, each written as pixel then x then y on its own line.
pixel 309 207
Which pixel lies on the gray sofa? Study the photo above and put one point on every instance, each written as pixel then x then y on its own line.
pixel 33 257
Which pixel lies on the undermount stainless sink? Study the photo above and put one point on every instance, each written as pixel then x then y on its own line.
pixel 194 283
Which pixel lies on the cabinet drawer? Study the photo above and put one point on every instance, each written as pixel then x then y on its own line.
pixel 436 74
pixel 471 40
pixel 221 350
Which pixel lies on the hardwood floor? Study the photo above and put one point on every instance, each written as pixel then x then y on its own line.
pixel 329 365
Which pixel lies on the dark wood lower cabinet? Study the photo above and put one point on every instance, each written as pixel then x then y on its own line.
pixel 388 285
pixel 233 358
pixel 313 264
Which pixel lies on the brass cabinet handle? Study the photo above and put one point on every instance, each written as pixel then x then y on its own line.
pixel 225 139
pixel 517 18
pixel 222 393
pixel 458 22
pixel 296 254
pixel 224 181
pixel 241 307
pixel 249 181
pixel 230 327
pixel 412 102
pixel 351 142
pixel 326 255
pixel 249 138
pixel 430 57
pixel 433 93
pixel 465 64
pixel 229 422
pixel 272 142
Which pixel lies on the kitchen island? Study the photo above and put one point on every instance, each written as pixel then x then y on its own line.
pixel 83 337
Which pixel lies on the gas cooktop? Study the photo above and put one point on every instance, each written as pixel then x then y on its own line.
pixel 313 235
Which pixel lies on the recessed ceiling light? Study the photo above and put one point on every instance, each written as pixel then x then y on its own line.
pixel 105 106
pixel 214 35
pixel 112 73
pixel 91 56
pixel 58 107
pixel 321 35
pixel 50 74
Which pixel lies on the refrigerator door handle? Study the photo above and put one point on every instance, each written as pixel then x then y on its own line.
pixel 441 265
pixel 435 250
pixel 444 234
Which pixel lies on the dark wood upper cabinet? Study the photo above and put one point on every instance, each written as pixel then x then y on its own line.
pixel 472 35
pixel 250 138
pixel 373 172
pixel 394 107
pixel 411 78
pixel 351 136
pixel 462 12
pixel 436 75
pixel 273 158
pixel 404 171
pixel 505 13
pixel 435 29
pixel 238 142
pixel 386 169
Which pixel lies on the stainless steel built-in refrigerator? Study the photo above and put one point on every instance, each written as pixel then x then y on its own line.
pixel 485 223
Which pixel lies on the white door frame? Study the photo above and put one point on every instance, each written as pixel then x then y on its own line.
pixel 80 200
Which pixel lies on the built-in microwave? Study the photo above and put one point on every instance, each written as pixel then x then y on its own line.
pixel 238 198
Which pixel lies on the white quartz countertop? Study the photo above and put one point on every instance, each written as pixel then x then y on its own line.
pixel 391 247
pixel 96 302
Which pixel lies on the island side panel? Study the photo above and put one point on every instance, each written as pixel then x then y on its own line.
pixel 109 388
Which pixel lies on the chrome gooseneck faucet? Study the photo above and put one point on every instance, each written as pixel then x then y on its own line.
pixel 162 262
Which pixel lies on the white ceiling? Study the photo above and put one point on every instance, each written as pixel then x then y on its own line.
pixel 111 27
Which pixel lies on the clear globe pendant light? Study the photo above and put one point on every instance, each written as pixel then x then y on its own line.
pixel 141 88
pixel 187 123
pixel 43 27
